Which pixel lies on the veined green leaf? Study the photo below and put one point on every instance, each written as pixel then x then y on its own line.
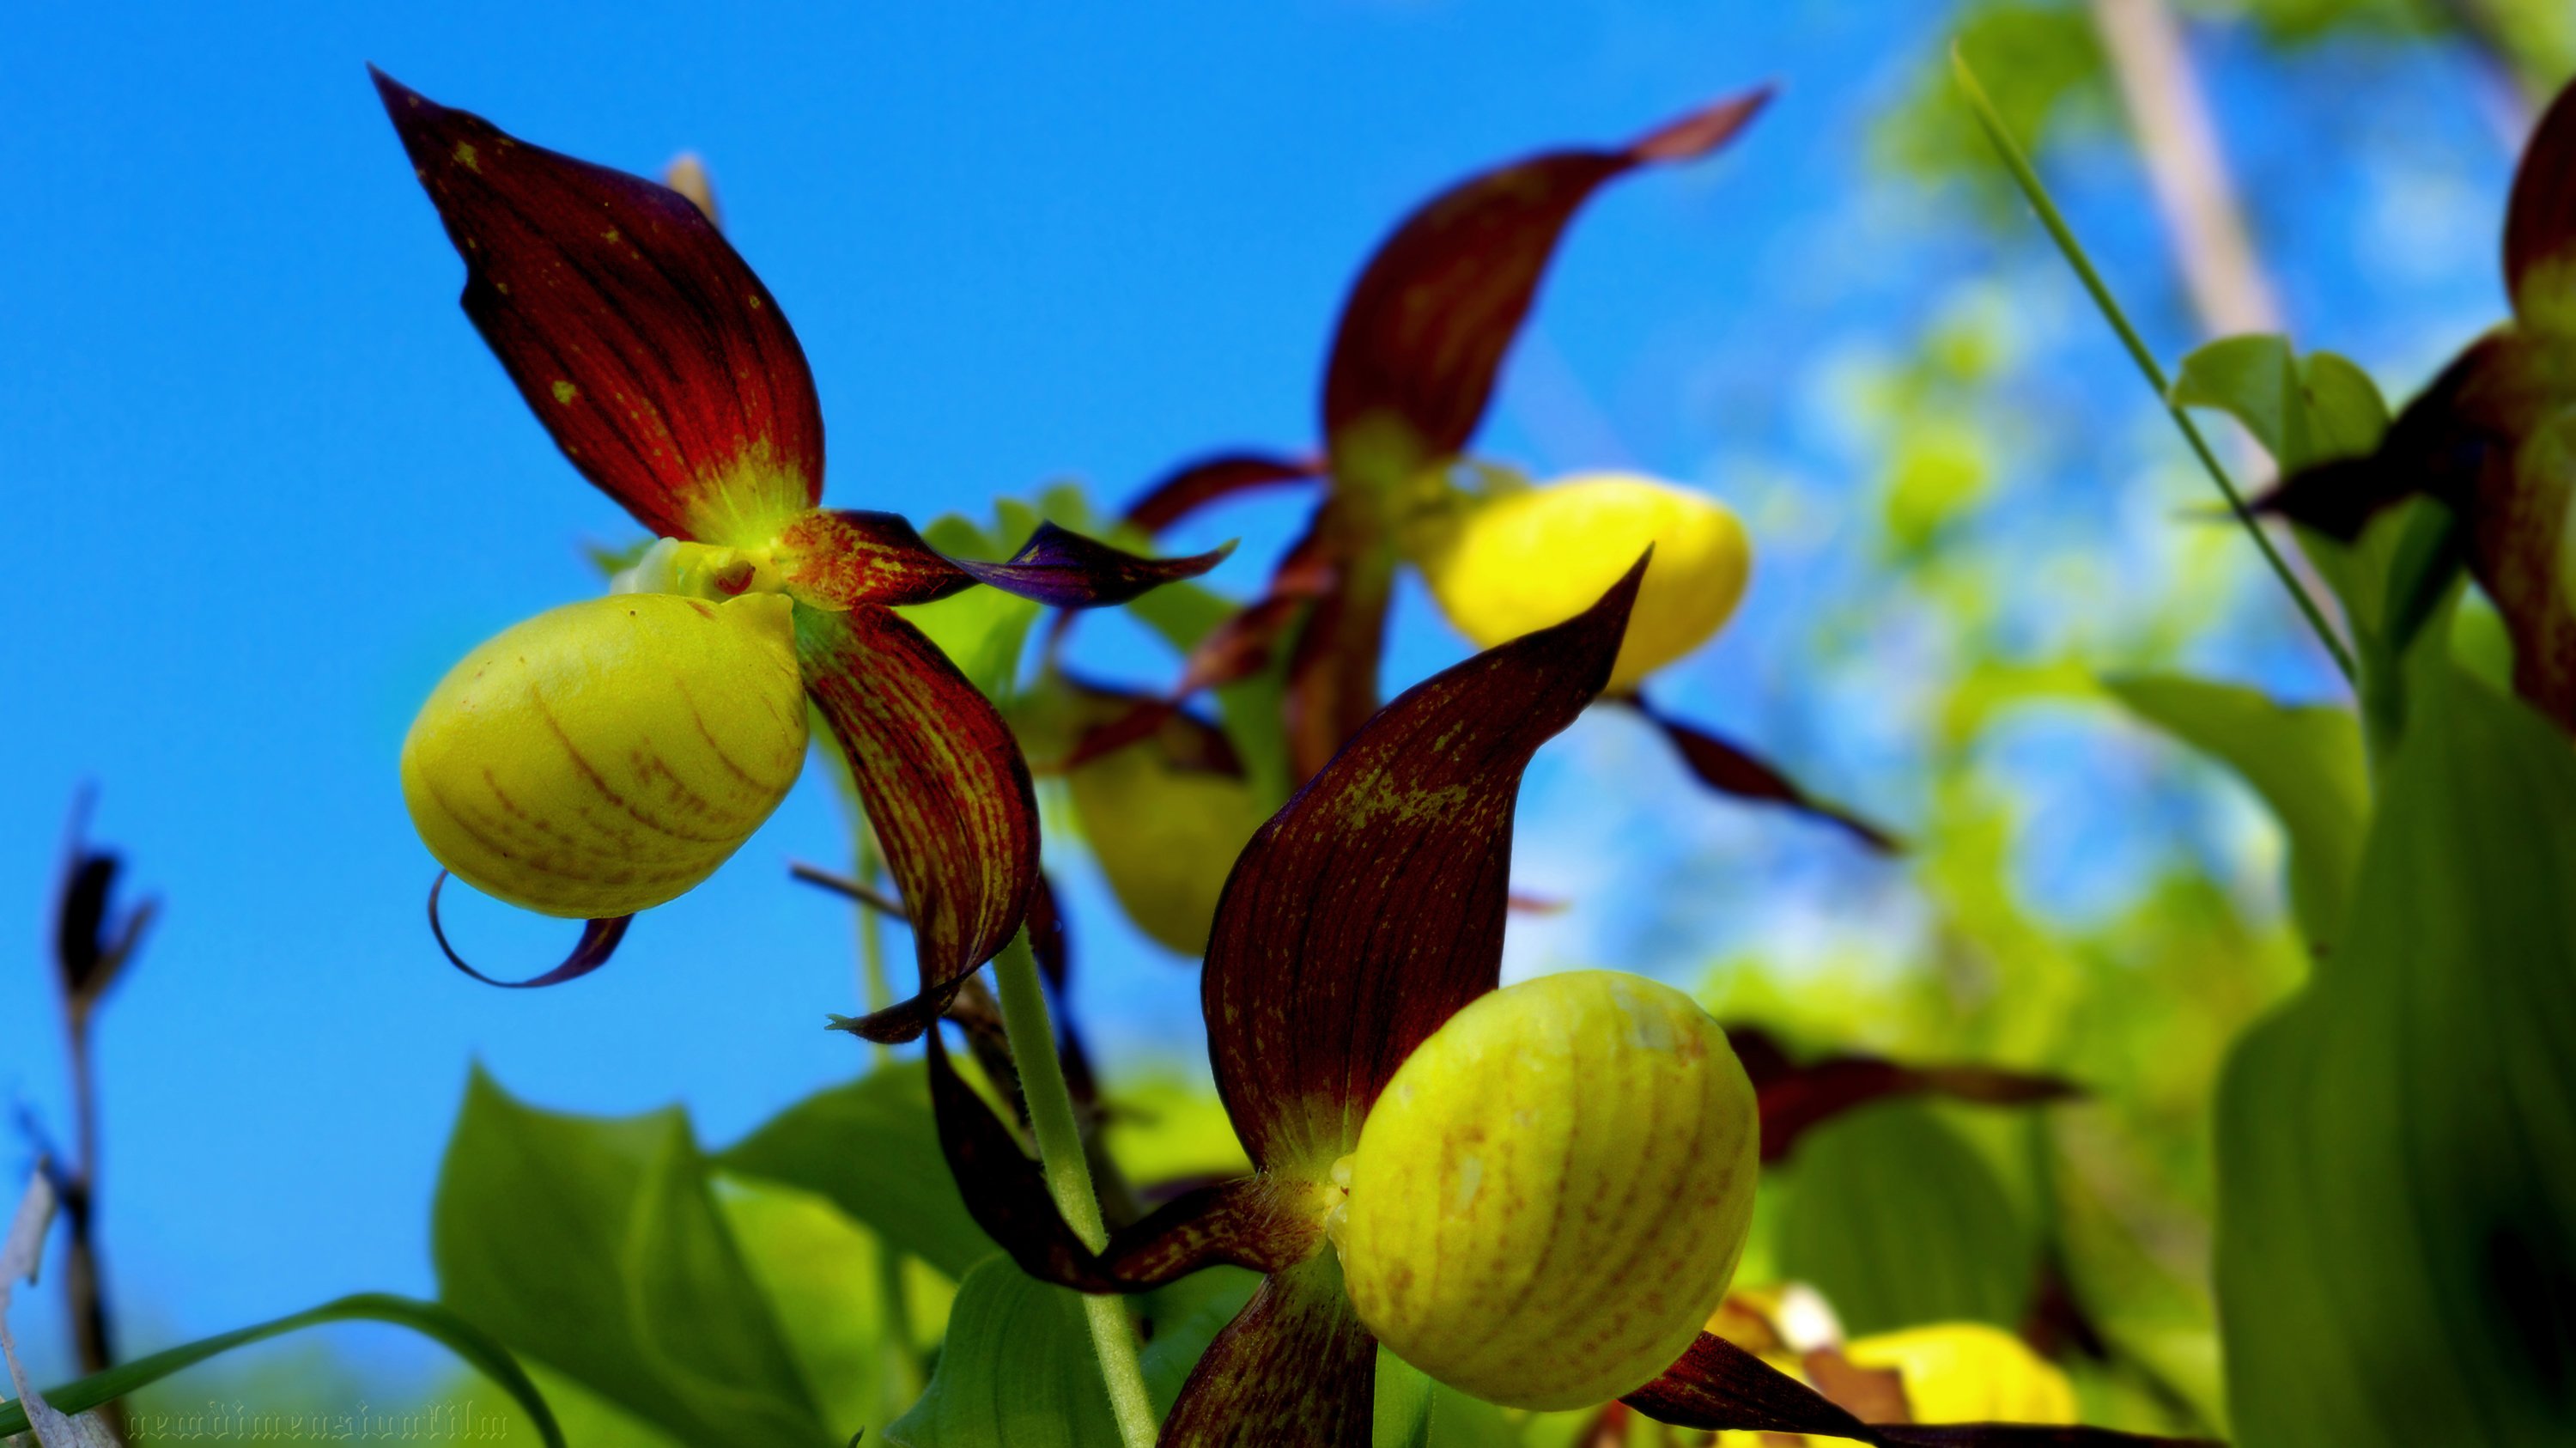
pixel 2303 410
pixel 1017 1371
pixel 2305 762
pixel 429 1319
pixel 1898 1220
pixel 871 1149
pixel 594 1245
pixel 2397 1146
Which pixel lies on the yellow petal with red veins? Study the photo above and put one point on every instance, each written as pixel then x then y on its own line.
pixel 1551 1194
pixel 1524 560
pixel 606 756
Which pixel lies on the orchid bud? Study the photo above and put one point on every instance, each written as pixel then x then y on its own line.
pixel 1550 1196
pixel 1526 559
pixel 1969 1372
pixel 608 755
pixel 1165 837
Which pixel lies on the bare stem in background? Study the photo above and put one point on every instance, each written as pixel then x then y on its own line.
pixel 90 952
pixel 2170 120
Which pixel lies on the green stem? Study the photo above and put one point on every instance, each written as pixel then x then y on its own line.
pixel 894 1302
pixel 2028 179
pixel 1068 1177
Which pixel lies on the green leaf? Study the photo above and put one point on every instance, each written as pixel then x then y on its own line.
pixel 871 1149
pixel 1403 1410
pixel 429 1319
pixel 2302 410
pixel 2306 763
pixel 1899 1221
pixel 1017 1371
pixel 2397 1146
pixel 982 630
pixel 594 1245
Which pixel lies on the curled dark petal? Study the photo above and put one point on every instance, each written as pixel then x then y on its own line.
pixel 906 1019
pixel 1195 485
pixel 598 941
pixel 1731 769
pixel 1718 1386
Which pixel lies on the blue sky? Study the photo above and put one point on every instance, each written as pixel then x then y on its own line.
pixel 267 484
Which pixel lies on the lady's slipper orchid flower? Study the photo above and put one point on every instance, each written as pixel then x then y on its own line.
pixel 607 756
pixel 1536 1193
pixel 2493 439
pixel 1421 340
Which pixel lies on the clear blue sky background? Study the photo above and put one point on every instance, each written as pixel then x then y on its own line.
pixel 265 484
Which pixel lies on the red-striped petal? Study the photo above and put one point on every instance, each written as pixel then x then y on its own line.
pixel 660 364
pixel 2540 221
pixel 943 785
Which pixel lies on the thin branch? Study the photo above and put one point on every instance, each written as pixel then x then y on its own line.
pixel 866 894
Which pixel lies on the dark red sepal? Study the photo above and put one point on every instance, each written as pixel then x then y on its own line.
pixel 2540 220
pixel 1197 484
pixel 1245 1223
pixel 1732 770
pixel 599 939
pixel 1430 318
pixel 1371 907
pixel 660 364
pixel 1293 1370
pixel 841 558
pixel 943 785
pixel 1795 1098
pixel 1719 1386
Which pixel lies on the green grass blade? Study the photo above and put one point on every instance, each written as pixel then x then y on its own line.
pixel 2028 179
pixel 426 1318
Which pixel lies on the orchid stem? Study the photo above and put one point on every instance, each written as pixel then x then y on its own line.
pixel 1068 1176
pixel 2028 180
pixel 900 1350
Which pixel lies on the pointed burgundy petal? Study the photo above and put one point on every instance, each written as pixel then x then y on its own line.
pixel 1796 1098
pixel 843 558
pixel 1719 1386
pixel 1195 485
pixel 1371 907
pixel 2540 220
pixel 1332 685
pixel 943 784
pixel 1293 1370
pixel 1427 324
pixel 2442 444
pixel 661 365
pixel 599 940
pixel 1730 769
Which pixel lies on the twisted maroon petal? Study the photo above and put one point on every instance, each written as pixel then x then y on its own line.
pixel 1430 318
